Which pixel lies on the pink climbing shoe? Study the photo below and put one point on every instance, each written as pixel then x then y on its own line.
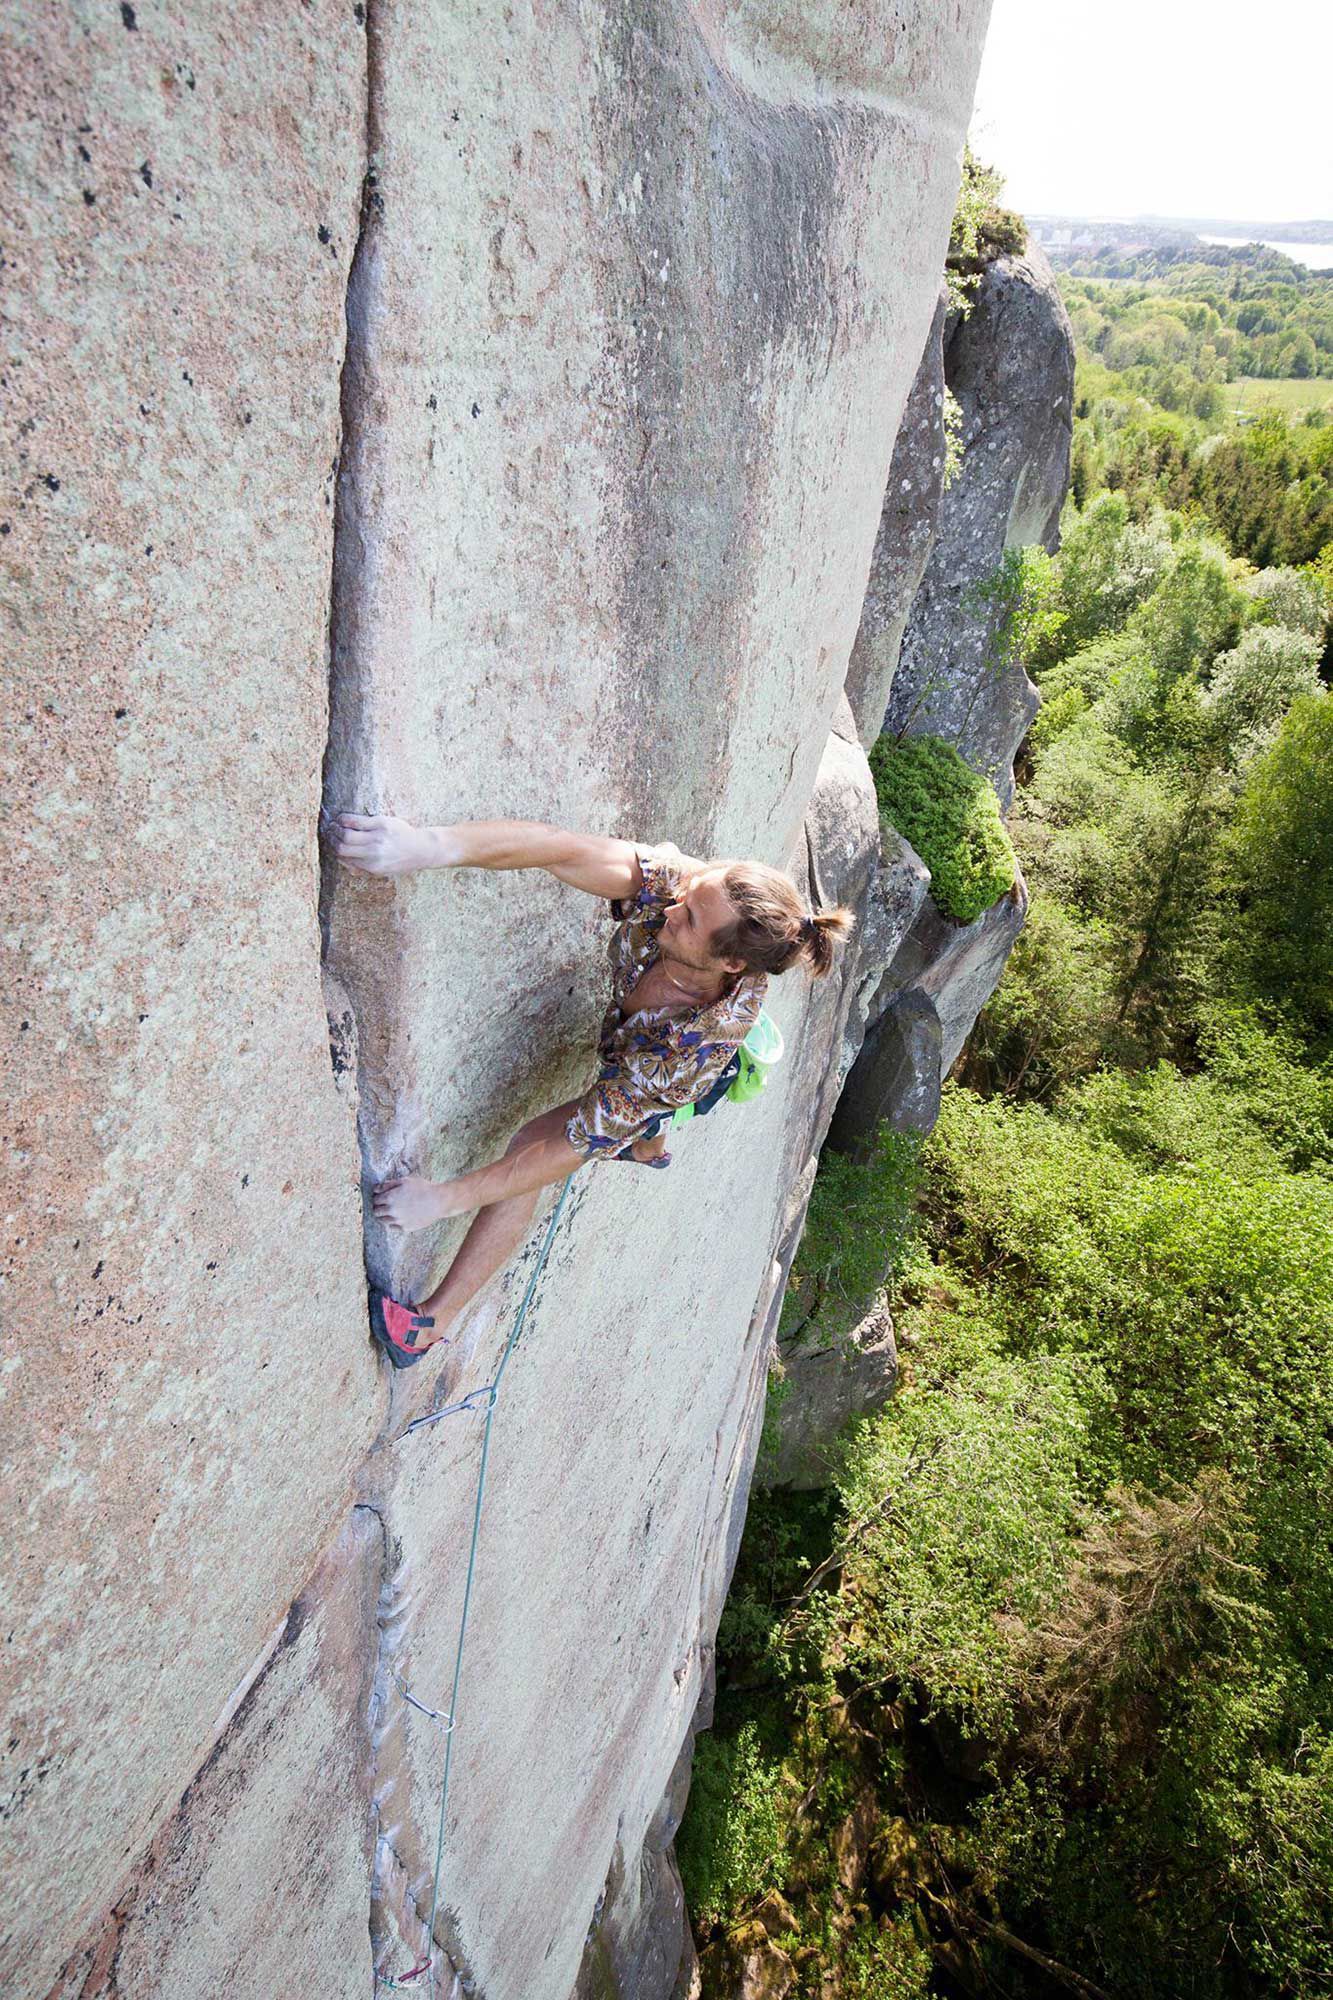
pixel 393 1326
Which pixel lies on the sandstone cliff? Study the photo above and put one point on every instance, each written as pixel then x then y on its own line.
pixel 461 414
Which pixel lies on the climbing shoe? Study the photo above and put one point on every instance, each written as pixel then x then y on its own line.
pixel 393 1326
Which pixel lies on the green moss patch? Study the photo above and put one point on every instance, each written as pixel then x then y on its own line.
pixel 952 818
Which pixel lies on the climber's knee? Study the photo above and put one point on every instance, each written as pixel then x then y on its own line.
pixel 546 1125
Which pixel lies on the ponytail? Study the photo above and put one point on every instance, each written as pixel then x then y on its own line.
pixel 821 933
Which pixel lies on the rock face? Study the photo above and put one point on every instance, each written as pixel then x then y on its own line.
pixel 920 1015
pixel 830 1381
pixel 188 1387
pixel 597 330
pixel 1010 363
pixel 908 525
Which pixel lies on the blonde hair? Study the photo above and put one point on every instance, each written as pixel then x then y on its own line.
pixel 773 930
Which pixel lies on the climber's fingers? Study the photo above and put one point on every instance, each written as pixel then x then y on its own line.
pixel 361 848
pixel 384 1205
pixel 407 1203
pixel 360 822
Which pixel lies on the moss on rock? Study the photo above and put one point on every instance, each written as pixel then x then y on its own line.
pixel 952 818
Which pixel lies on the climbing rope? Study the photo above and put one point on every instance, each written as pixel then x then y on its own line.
pixel 476 1400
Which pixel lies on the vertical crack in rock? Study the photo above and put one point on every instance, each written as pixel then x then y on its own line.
pixel 346 721
pixel 349 724
pixel 400 1897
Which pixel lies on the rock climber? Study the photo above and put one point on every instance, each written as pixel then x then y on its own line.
pixel 691 953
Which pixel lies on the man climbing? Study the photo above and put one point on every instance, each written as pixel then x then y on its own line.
pixel 691 954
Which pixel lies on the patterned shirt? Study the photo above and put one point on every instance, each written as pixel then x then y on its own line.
pixel 659 1059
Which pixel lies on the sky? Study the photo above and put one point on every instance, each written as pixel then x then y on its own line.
pixel 1162 107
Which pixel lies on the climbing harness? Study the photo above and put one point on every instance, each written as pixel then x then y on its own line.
pixel 477 1399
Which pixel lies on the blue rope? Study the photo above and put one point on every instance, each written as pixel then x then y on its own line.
pixel 476 1399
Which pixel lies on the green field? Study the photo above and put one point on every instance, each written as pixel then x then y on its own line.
pixel 1251 393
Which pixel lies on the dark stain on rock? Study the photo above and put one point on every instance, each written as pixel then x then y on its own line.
pixel 127 16
pixel 84 154
pixel 121 713
pixel 89 198
pixel 476 409
pixel 49 480
pixel 724 214
pixel 324 233
pixel 146 172
pixel 342 1043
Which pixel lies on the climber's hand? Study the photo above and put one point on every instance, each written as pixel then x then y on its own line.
pixel 411 1203
pixel 645 1150
pixel 379 844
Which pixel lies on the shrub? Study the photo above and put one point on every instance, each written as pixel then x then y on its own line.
pixel 1051 1017
pixel 731 1841
pixel 961 1499
pixel 1285 1871
pixel 1177 1278
pixel 1107 565
pixel 885 1961
pixel 1282 843
pixel 952 818
pixel 981 231
pixel 855 1234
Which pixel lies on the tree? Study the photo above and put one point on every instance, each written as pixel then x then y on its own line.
pixel 1254 685
pixel 1282 855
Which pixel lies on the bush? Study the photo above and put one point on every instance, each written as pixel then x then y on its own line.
pixel 887 1961
pixel 981 231
pixel 731 1841
pixel 1107 565
pixel 952 818
pixel 1176 1278
pixel 961 1499
pixel 1282 846
pixel 1285 1872
pixel 1050 1019
pixel 855 1234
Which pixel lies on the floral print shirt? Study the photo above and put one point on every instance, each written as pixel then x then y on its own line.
pixel 658 1059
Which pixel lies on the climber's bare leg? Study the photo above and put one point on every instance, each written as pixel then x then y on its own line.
pixel 495 1234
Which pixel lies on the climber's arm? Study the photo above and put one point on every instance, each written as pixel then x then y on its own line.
pixel 414 1203
pixel 383 845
